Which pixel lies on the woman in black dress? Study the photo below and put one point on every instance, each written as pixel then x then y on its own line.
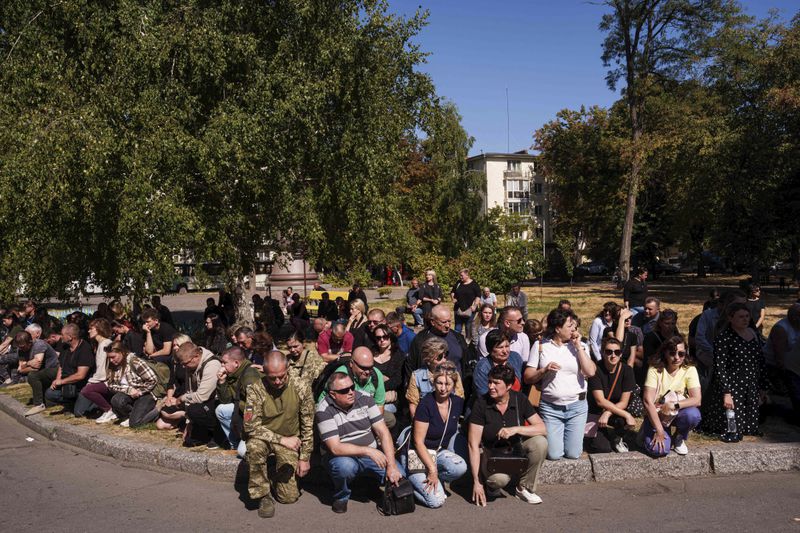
pixel 739 377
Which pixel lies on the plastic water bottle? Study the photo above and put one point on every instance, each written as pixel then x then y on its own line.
pixel 730 414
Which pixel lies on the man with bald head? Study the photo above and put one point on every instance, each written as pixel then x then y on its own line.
pixel 236 374
pixel 335 343
pixel 367 379
pixel 279 421
pixel 440 323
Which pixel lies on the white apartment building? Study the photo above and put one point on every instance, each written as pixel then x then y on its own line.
pixel 512 183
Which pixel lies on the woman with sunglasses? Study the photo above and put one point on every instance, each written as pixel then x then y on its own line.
pixel 389 360
pixel 610 391
pixel 358 315
pixel 434 358
pixel 671 400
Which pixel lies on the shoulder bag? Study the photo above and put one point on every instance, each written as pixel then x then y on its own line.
pixel 414 463
pixel 507 458
pixel 397 499
pixel 592 425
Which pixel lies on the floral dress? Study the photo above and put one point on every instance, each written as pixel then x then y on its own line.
pixel 739 369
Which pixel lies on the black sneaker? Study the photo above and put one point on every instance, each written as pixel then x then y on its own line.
pixel 212 445
pixel 189 443
pixel 339 506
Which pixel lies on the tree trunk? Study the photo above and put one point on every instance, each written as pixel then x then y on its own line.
pixel 627 228
pixel 242 301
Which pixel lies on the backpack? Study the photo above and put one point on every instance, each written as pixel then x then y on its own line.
pixel 162 373
pixel 319 385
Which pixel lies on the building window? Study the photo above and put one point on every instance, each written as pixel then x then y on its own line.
pixel 537 188
pixel 517 189
pixel 519 207
pixel 537 210
pixel 514 166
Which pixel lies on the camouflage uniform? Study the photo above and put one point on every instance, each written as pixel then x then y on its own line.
pixel 268 417
pixel 307 366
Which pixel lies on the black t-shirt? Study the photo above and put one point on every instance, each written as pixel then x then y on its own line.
pixel 82 356
pixel 362 337
pixel 429 291
pixel 485 413
pixel 755 307
pixel 466 294
pixel 49 359
pixel 164 333
pixel 635 292
pixel 134 342
pixel 602 381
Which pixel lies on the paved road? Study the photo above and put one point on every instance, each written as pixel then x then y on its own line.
pixel 47 487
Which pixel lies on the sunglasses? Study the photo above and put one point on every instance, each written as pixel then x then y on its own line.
pixel 381 337
pixel 613 352
pixel 373 321
pixel 346 390
pixel 364 368
pixel 442 355
pixel 679 353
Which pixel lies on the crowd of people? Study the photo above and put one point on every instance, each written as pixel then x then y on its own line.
pixel 472 388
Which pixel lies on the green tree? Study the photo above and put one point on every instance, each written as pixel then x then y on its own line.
pixel 648 41
pixel 129 131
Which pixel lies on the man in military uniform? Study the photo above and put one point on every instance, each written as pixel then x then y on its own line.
pixel 279 420
pixel 304 364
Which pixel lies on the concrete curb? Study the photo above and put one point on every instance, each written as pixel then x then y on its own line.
pixel 726 459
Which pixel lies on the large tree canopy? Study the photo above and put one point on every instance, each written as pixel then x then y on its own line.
pixel 132 130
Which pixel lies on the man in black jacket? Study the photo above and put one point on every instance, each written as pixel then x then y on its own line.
pixel 457 351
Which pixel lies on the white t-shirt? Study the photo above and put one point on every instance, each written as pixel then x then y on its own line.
pixel 564 386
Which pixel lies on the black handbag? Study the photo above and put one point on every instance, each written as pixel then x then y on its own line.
pixel 69 391
pixel 505 457
pixel 397 499
pixel 508 458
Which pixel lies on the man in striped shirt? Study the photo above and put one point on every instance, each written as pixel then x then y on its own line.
pixel 348 423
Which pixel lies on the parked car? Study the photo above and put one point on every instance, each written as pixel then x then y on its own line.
pixel 666 269
pixel 591 268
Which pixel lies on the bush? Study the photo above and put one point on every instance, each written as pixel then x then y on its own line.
pixel 384 292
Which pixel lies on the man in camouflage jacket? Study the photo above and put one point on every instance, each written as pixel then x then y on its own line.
pixel 279 420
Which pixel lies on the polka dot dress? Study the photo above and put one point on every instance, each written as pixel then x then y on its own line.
pixel 738 369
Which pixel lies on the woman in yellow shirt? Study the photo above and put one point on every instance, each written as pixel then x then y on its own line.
pixel 671 399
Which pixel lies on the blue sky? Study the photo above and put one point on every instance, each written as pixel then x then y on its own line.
pixel 547 53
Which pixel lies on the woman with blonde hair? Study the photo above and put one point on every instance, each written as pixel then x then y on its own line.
pixel 430 293
pixel 434 358
pixel 358 315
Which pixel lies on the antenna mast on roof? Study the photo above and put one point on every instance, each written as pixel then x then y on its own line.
pixel 508 126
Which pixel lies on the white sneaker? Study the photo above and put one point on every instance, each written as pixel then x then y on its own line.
pixel 621 447
pixel 125 423
pixel 681 448
pixel 106 417
pixel 35 410
pixel 528 496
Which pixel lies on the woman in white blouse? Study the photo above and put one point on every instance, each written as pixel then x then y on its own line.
pixel 562 366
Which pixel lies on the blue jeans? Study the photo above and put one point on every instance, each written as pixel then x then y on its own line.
pixel 687 419
pixel 224 412
pixel 463 322
pixel 418 321
pixel 450 466
pixel 343 470
pixel 565 425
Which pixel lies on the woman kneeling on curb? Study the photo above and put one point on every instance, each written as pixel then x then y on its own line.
pixel 434 434
pixel 130 383
pixel 671 399
pixel 496 418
